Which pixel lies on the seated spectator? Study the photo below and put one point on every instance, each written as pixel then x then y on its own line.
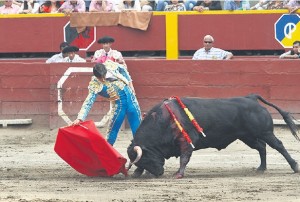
pixel 175 5
pixel 60 56
pixel 70 51
pixel 190 4
pixel 268 5
pixel 276 4
pixel 71 6
pixel 29 6
pixel 236 5
pixel 51 6
pixel 101 6
pixel 128 5
pixel 293 6
pixel 147 5
pixel 161 4
pixel 207 5
pixel 9 8
pixel 208 52
pixel 292 54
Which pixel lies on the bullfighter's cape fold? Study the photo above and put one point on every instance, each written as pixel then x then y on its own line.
pixel 84 149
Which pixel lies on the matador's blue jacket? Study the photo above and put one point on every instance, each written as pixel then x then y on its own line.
pixel 123 100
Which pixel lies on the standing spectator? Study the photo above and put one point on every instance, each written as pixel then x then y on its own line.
pixel 29 6
pixel 71 6
pixel 208 52
pixel 292 54
pixel 110 80
pixel 70 51
pixel 101 6
pixel 175 5
pixel 9 8
pixel 51 6
pixel 161 4
pixel 60 56
pixel 293 6
pixel 236 5
pixel 207 5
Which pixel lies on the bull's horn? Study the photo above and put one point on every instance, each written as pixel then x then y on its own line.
pixel 139 152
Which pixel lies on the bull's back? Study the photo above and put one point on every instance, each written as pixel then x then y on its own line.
pixel 225 120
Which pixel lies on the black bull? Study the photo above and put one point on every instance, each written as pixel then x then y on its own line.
pixel 223 122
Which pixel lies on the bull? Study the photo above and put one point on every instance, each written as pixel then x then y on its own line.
pixel 223 122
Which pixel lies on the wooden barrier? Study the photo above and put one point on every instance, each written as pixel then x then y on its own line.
pixel 28 90
pixel 238 30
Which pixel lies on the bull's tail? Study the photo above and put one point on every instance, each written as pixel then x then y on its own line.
pixel 287 117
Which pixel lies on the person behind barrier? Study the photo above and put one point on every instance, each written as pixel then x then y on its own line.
pixel 51 6
pixel 128 5
pixel 208 52
pixel 292 54
pixel 175 5
pixel 70 51
pixel 60 56
pixel 236 5
pixel 9 8
pixel 71 6
pixel 111 80
pixel 293 6
pixel 207 5
pixel 101 6
pixel 29 6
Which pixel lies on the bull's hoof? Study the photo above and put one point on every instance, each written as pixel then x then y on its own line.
pixel 178 175
pixel 296 168
pixel 137 173
pixel 261 169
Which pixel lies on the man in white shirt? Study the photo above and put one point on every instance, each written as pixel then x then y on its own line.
pixel 71 54
pixel 208 52
pixel 58 57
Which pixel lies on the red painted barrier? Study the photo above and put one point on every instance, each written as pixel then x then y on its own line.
pixel 247 31
pixel 29 90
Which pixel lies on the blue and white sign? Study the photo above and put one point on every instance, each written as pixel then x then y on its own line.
pixel 287 30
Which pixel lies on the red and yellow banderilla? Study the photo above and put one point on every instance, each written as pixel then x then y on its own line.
pixel 190 115
pixel 184 133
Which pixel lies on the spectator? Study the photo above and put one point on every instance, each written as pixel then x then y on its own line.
pixel 190 4
pixel 207 5
pixel 269 5
pixel 236 5
pixel 208 52
pixel 51 6
pixel 60 56
pixel 175 5
pixel 29 6
pixel 292 54
pixel 128 5
pixel 161 4
pixel 107 52
pixel 71 54
pixel 9 8
pixel 293 6
pixel 71 6
pixel 147 5
pixel 111 81
pixel 101 6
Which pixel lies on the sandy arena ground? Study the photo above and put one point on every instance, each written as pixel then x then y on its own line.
pixel 30 170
